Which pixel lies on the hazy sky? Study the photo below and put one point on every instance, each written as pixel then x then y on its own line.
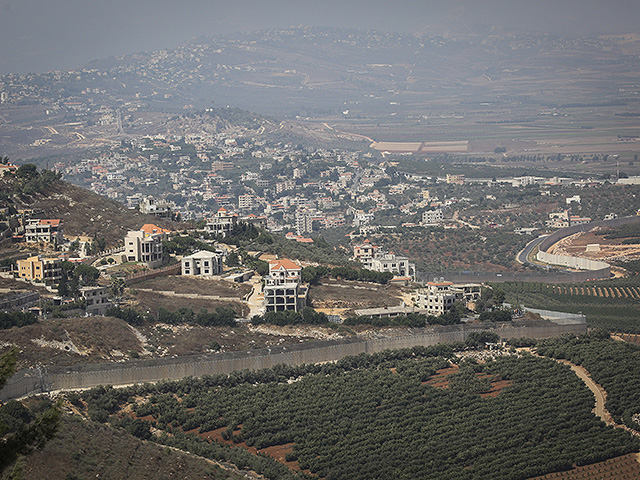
pixel 42 35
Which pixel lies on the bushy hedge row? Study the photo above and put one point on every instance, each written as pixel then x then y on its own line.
pixel 314 274
pixel 16 319
pixel 289 317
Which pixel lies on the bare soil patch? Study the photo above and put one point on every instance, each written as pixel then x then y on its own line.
pixel 277 452
pixel 346 294
pixel 610 249
pixel 496 387
pixel 12 284
pixel 151 302
pixel 441 380
pixel 198 286
pixel 69 341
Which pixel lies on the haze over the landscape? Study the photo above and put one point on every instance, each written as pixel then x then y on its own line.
pixel 341 240
pixel 38 36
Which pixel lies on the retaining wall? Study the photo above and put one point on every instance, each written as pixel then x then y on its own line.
pixel 565 232
pixel 33 381
pixel 561 318
pixel 599 268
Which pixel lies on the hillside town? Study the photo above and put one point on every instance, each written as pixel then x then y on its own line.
pixel 238 193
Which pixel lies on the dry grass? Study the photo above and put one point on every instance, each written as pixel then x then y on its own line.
pixel 74 340
pixel 84 449
pixel 199 286
pixel 346 294
pixel 151 302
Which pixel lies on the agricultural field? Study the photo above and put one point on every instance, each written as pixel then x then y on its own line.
pixel 397 414
pixel 615 365
pixel 625 466
pixel 613 305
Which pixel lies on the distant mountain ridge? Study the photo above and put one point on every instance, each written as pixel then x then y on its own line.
pixel 317 71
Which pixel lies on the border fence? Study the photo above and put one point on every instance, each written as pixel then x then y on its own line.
pixel 42 380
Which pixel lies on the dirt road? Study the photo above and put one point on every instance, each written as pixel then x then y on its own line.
pixel 598 392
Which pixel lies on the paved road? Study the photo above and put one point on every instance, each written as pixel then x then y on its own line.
pixel 523 256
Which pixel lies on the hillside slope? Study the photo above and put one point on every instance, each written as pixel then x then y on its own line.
pixel 82 212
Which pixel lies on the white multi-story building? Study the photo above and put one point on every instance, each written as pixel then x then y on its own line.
pixel 432 217
pixel 96 298
pixel 439 296
pixel 282 289
pixel 304 223
pixel 160 208
pixel 145 245
pixel 559 219
pixel 389 262
pixel 222 223
pixel 246 202
pixel 203 263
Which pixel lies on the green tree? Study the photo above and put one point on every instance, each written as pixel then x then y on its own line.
pixel 22 431
pixel 27 171
pixel 7 365
pixel 233 260
pixel 498 296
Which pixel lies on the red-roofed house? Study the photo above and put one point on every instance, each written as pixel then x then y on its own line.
pixel 48 230
pixel 150 229
pixel 145 245
pixel 282 289
pixel 7 168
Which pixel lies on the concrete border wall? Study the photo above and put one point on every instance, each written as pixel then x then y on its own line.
pixel 599 268
pixel 572 262
pixel 34 381
pixel 585 227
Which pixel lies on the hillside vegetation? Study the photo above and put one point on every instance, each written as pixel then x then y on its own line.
pixel 81 211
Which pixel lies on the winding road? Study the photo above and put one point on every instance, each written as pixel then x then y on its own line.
pixel 601 398
pixel 523 256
